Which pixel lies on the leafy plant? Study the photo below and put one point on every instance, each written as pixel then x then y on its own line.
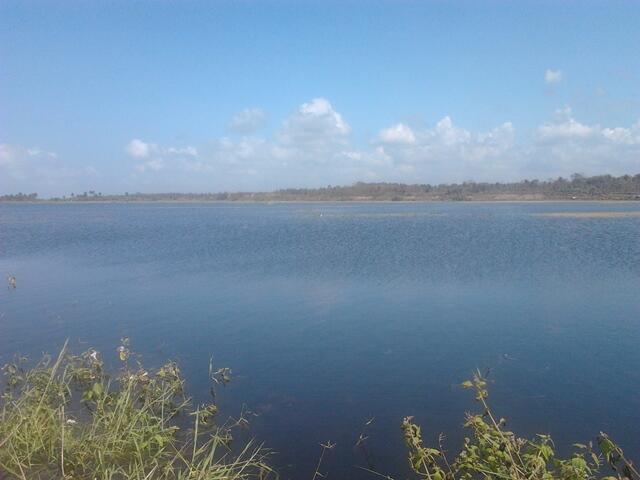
pixel 493 452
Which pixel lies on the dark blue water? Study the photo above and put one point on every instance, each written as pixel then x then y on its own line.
pixel 330 314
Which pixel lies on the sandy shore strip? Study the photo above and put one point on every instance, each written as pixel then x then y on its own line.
pixel 633 214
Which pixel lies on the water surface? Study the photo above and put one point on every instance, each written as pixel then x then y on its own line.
pixel 331 314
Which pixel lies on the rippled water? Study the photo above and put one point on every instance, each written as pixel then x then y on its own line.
pixel 330 314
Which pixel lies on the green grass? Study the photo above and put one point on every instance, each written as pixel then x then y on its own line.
pixel 69 419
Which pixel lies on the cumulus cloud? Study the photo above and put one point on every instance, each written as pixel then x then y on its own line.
pixel 311 143
pixel 566 145
pixel 313 146
pixel 138 149
pixel 571 129
pixel 446 152
pixel 398 133
pixel 314 123
pixel 567 129
pixel 552 76
pixel 153 157
pixel 249 120
pixel 623 136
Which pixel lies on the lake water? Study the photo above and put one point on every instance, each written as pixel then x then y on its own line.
pixel 330 314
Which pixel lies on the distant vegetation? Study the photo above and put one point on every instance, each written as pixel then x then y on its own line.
pixel 69 419
pixel 19 197
pixel 578 187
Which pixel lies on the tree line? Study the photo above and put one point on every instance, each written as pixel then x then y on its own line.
pixel 577 187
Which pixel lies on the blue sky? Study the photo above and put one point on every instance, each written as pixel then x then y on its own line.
pixel 254 95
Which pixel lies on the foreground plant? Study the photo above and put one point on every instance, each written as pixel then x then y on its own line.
pixel 492 452
pixel 69 419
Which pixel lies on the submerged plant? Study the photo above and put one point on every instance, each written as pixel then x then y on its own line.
pixel 69 419
pixel 493 452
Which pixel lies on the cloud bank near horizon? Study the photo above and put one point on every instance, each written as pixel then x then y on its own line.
pixel 314 146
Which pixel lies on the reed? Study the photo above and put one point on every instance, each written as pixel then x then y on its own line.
pixel 67 418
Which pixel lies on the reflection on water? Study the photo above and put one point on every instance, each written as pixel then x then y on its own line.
pixel 367 311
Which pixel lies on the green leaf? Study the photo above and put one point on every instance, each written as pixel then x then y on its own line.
pixel 606 446
pixel 97 389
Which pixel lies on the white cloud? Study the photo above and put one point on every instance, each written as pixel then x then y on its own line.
pixel 623 136
pixel 447 152
pixel 35 152
pixel 398 133
pixel 567 129
pixel 552 76
pixel 248 121
pixel 570 129
pixel 314 147
pixel 184 151
pixel 449 134
pixel 313 142
pixel 567 146
pixel 315 122
pixel 138 149
pixel 16 156
pixel 153 157
pixel 317 107
pixel 33 169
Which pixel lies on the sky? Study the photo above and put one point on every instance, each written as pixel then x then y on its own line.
pixel 188 96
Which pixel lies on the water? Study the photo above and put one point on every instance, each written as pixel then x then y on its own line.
pixel 330 314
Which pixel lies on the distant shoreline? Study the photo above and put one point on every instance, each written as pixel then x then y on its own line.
pixel 273 202
pixel 602 188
